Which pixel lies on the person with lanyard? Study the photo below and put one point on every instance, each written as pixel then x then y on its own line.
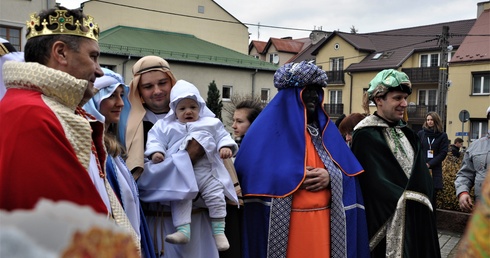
pixel 435 145
pixel 7 53
pixel 106 106
pixel 52 148
pixel 298 177
pixel 396 184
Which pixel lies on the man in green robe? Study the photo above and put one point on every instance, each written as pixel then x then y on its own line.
pixel 396 185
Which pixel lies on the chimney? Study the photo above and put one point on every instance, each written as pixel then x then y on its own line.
pixel 317 35
pixel 481 7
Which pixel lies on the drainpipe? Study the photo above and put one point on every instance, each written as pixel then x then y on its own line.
pixel 124 67
pixel 253 82
pixel 351 86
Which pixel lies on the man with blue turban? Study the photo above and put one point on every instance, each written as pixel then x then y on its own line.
pixel 298 176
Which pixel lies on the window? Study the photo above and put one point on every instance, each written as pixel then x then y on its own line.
pixel 479 128
pixel 110 67
pixel 264 95
pixel 429 60
pixel 428 98
pixel 377 56
pixel 481 83
pixel 274 58
pixel 11 34
pixel 337 64
pixel 227 91
pixel 335 106
pixel 335 96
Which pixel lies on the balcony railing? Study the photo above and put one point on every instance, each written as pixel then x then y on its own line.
pixel 422 74
pixel 335 77
pixel 334 110
pixel 419 111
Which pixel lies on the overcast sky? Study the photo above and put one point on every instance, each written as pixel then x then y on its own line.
pixel 328 15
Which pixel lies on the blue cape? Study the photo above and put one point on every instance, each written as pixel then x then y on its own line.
pixel 278 167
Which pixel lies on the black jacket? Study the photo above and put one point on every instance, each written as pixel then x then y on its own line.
pixel 439 143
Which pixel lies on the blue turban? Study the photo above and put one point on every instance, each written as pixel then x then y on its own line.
pixel 271 159
pixel 299 75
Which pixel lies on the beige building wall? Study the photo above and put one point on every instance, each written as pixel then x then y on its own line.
pixel 459 97
pixel 204 19
pixel 361 84
pixel 15 13
pixel 255 52
pixel 245 82
pixel 283 57
pixel 353 88
pixel 414 62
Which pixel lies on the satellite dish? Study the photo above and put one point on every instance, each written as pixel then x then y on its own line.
pixel 275 59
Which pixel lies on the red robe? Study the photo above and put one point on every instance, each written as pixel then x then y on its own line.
pixel 36 159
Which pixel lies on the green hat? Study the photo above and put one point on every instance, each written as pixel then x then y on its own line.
pixel 389 80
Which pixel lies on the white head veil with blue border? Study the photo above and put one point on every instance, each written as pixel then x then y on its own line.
pixel 105 86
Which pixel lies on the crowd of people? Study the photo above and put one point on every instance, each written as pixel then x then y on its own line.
pixel 154 159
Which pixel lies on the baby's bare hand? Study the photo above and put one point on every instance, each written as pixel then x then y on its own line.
pixel 225 153
pixel 157 157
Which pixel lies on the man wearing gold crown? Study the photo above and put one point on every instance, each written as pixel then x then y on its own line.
pixel 50 147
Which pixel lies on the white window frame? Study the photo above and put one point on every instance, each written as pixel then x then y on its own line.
pixel 426 99
pixel 228 88
pixel 272 56
pixel 429 60
pixel 15 41
pixel 266 92
pixel 478 128
pixel 335 94
pixel 337 64
pixel 480 78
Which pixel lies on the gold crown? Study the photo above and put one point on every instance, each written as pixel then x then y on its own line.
pixel 61 20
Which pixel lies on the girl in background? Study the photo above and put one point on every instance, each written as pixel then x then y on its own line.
pixel 244 115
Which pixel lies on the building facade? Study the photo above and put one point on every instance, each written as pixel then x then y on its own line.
pixel 352 60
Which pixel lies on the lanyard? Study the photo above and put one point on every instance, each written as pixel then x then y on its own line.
pixel 430 143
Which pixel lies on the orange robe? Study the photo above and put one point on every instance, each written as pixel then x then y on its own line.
pixel 309 228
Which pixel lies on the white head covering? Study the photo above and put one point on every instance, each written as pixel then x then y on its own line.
pixel 105 86
pixel 186 90
pixel 7 53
